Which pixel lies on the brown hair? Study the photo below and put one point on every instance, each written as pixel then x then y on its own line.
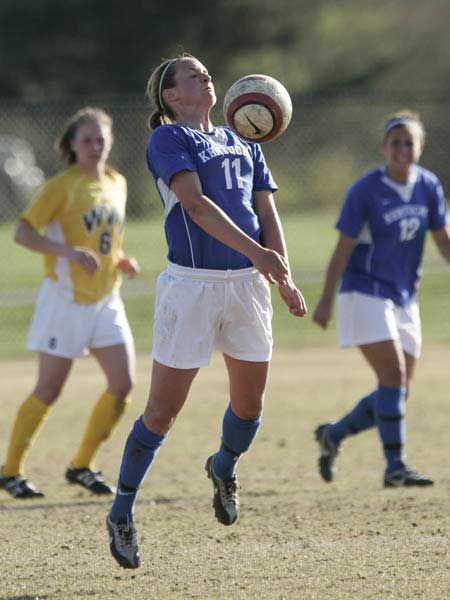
pixel 82 116
pixel 162 78
pixel 403 118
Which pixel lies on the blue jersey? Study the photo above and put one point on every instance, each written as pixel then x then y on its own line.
pixel 229 169
pixel 390 221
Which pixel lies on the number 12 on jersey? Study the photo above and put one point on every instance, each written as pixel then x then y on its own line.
pixel 409 228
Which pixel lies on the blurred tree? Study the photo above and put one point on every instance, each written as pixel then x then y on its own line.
pixel 50 48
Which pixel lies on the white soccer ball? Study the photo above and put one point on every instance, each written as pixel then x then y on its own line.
pixel 258 108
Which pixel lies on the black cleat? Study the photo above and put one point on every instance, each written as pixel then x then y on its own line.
pixel 90 480
pixel 406 477
pixel 328 452
pixel 123 543
pixel 19 487
pixel 226 495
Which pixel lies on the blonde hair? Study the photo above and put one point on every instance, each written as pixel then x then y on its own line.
pixel 82 116
pixel 162 78
pixel 403 118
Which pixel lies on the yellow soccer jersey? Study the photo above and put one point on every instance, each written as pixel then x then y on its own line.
pixel 78 210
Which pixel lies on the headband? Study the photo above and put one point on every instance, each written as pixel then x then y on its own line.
pixel 161 79
pixel 395 122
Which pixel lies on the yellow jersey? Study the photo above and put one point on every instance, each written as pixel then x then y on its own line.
pixel 74 208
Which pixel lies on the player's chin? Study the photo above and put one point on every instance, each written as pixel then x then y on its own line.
pixel 211 95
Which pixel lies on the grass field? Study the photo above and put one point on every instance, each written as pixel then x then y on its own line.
pixel 310 238
pixel 297 538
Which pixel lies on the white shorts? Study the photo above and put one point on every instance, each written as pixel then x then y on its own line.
pixel 61 327
pixel 364 319
pixel 198 310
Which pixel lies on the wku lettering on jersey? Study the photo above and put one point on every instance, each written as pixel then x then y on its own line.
pixel 413 210
pixel 101 215
pixel 216 150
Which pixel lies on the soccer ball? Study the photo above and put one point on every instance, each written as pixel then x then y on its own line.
pixel 258 108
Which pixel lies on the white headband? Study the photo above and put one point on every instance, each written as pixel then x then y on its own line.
pixel 161 79
pixel 395 122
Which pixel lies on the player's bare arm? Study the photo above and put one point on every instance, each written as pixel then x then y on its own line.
pixel 27 236
pixel 272 237
pixel 338 262
pixel 128 265
pixel 442 240
pixel 207 215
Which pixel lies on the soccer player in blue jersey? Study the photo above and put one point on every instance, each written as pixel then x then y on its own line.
pixel 382 226
pixel 225 245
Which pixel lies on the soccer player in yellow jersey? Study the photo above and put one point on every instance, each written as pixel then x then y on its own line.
pixel 76 220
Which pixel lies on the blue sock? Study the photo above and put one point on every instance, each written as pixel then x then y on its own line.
pixel 140 451
pixel 390 412
pixel 361 417
pixel 237 437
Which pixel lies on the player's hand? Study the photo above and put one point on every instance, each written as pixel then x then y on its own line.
pixel 322 313
pixel 86 258
pixel 272 265
pixel 129 266
pixel 293 298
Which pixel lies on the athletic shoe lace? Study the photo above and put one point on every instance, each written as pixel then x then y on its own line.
pixel 89 477
pixel 126 534
pixel 229 490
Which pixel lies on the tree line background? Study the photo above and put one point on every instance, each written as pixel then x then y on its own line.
pixel 52 49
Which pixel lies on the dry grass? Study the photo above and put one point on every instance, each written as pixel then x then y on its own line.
pixel 297 537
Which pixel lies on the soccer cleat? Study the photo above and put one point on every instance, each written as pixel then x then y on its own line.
pixel 123 543
pixel 226 496
pixel 90 480
pixel 328 452
pixel 406 477
pixel 19 487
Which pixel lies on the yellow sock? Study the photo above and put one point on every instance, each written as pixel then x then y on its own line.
pixel 105 415
pixel 30 417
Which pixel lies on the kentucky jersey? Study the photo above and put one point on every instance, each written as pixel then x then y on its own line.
pixel 390 221
pixel 76 209
pixel 229 169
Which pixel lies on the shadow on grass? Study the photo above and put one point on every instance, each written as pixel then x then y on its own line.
pixel 34 597
pixel 31 505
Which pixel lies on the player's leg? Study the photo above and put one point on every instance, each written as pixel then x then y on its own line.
pixel 240 424
pixel 388 361
pixel 111 343
pixel 331 435
pixel 118 364
pixel 245 340
pixel 411 363
pixel 185 318
pixel 360 418
pixel 182 342
pixel 361 319
pixel 168 392
pixel 409 327
pixel 52 374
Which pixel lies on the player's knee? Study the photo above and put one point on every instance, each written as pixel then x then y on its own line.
pixel 394 376
pixel 48 392
pixel 248 407
pixel 249 413
pixel 122 386
pixel 160 419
